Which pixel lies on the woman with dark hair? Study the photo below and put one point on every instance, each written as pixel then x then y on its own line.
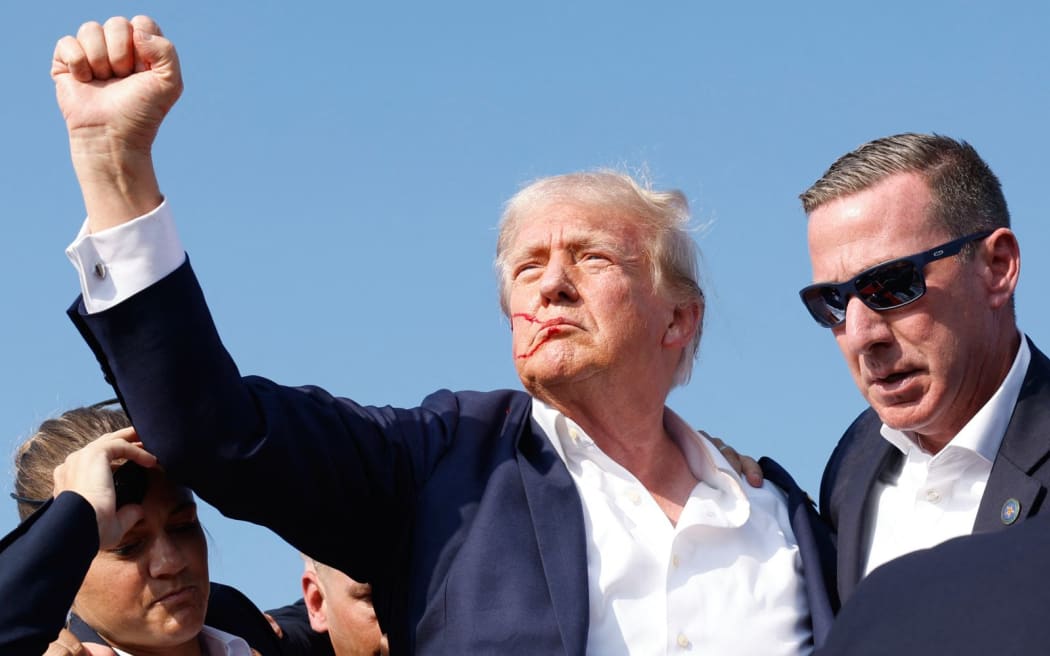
pixel 108 535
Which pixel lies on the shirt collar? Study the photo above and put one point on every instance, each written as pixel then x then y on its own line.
pixel 717 477
pixel 220 643
pixel 983 434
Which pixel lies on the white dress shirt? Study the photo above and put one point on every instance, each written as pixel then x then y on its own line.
pixel 117 263
pixel 726 580
pixel 936 497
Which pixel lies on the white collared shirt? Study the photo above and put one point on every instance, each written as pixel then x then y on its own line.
pixel 936 497
pixel 216 643
pixel 726 580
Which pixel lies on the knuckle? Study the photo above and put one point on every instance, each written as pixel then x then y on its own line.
pixel 90 27
pixel 115 22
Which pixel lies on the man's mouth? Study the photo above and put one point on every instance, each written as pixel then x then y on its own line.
pixel 542 337
pixel 545 331
pixel 894 380
pixel 175 597
pixel 549 323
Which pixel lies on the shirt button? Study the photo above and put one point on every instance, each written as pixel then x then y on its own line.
pixel 574 435
pixel 100 271
pixel 675 561
pixel 933 496
pixel 683 641
pixel 634 497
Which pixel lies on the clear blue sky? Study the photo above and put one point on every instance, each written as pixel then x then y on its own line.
pixel 337 171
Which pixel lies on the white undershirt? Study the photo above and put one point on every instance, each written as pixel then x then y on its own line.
pixel 726 580
pixel 936 497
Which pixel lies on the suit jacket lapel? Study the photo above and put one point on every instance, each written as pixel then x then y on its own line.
pixel 815 548
pixel 557 515
pixel 869 462
pixel 1025 448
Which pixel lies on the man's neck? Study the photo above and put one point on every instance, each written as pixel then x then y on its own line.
pixel 994 374
pixel 630 430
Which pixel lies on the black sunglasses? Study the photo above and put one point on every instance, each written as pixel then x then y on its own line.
pixel 882 287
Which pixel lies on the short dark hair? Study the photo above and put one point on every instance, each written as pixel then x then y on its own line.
pixel 967 195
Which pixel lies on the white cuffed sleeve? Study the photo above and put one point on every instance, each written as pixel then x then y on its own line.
pixel 117 263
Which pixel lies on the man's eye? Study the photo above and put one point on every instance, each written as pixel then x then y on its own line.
pixel 524 269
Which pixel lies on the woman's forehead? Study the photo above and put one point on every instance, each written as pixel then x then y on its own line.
pixel 164 493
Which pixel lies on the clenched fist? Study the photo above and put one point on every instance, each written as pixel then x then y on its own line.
pixel 115 83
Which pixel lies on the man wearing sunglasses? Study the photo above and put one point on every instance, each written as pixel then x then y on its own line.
pixel 910 242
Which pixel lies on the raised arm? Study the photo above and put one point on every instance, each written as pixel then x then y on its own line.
pixel 115 84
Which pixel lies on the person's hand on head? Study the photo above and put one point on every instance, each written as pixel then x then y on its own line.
pixel 115 83
pixel 89 473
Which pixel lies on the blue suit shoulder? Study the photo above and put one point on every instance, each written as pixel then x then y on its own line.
pixel 970 596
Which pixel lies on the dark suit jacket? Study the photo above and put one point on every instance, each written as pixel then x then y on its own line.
pixel 459 512
pixel 43 562
pixel 1021 471
pixel 973 596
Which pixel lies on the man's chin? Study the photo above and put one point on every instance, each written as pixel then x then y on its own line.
pixel 903 416
pixel 544 381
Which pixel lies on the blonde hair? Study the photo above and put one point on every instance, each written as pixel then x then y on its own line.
pixel 37 457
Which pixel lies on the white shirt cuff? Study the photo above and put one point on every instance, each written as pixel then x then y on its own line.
pixel 119 262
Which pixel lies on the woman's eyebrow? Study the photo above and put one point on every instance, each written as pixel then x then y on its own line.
pixel 183 507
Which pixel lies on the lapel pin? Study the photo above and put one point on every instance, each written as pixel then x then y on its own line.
pixel 1011 509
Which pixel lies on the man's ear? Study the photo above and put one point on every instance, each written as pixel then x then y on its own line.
pixel 685 321
pixel 1001 256
pixel 313 595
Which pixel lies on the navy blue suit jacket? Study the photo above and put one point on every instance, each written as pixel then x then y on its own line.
pixel 972 596
pixel 1021 471
pixel 43 562
pixel 459 512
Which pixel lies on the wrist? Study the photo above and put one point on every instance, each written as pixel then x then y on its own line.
pixel 118 184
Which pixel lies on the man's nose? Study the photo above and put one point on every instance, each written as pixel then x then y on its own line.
pixel 865 328
pixel 556 285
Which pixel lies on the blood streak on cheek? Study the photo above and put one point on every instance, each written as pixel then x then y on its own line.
pixel 551 332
